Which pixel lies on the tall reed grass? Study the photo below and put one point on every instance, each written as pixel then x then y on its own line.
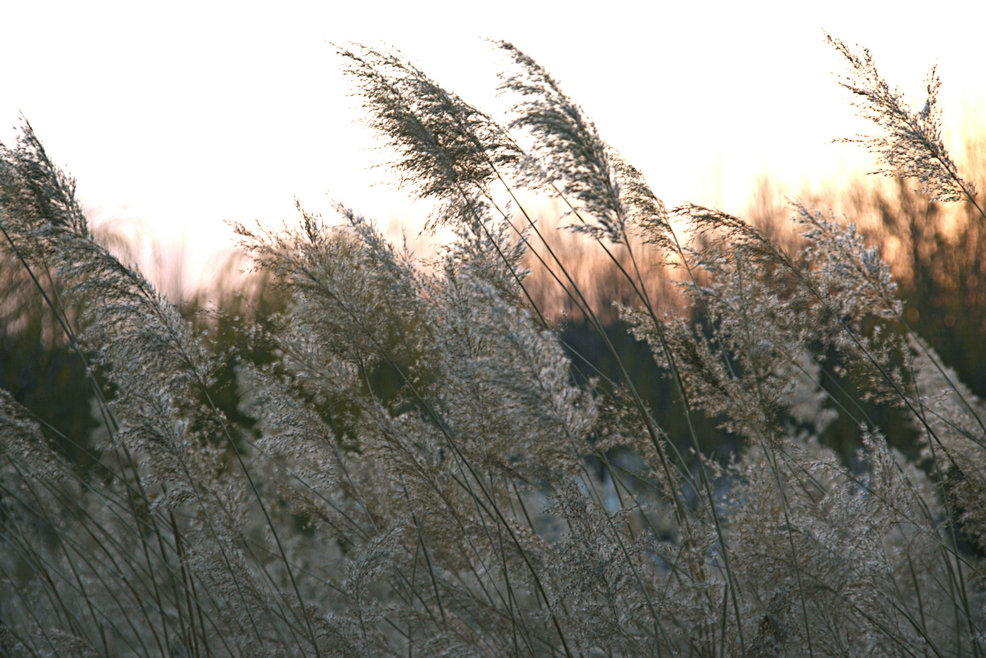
pixel 425 468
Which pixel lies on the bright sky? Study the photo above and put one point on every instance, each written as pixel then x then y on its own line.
pixel 177 116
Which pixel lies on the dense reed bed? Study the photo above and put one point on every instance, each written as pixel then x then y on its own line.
pixel 419 464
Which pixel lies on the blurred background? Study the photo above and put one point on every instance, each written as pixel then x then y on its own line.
pixel 176 117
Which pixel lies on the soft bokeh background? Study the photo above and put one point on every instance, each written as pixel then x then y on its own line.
pixel 177 116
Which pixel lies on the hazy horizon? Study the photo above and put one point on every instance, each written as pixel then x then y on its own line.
pixel 176 118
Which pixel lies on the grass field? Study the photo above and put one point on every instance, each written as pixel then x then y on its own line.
pixel 374 455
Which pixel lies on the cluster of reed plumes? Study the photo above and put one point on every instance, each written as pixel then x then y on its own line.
pixel 430 471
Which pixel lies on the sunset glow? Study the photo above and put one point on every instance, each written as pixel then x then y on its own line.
pixel 177 118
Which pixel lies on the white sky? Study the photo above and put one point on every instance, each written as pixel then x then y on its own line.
pixel 176 116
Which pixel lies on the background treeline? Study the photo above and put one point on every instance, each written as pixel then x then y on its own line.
pixel 937 253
